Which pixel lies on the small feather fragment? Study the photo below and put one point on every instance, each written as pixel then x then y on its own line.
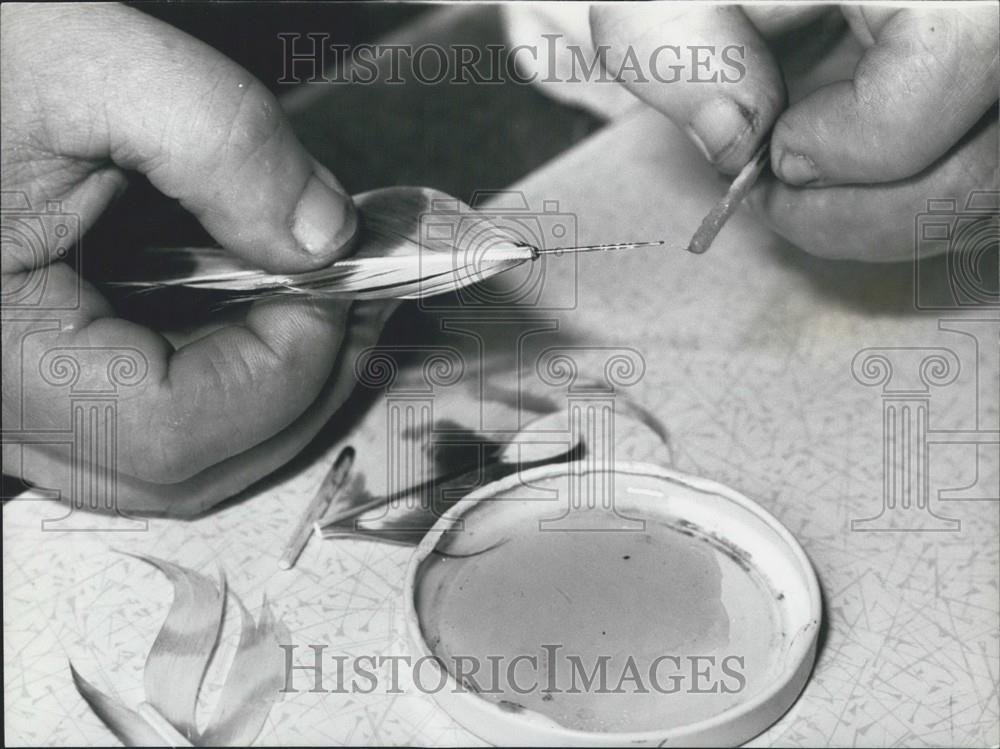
pixel 176 666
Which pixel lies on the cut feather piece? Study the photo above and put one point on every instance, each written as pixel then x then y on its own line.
pixel 178 661
pixel 254 681
pixel 127 725
pixel 407 515
pixel 413 242
pixel 180 655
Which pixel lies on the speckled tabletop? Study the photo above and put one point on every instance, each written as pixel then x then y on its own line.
pixel 772 372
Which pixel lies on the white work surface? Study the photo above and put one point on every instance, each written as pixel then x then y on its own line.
pixel 748 363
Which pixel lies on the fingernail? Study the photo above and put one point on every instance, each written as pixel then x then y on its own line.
pixel 718 127
pixel 324 218
pixel 796 169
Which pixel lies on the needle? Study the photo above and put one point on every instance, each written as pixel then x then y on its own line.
pixel 596 247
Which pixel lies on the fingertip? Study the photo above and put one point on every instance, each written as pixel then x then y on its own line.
pixel 720 128
pixel 324 221
pixel 793 168
pixel 728 129
pixel 790 163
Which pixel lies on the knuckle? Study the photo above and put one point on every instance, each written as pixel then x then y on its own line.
pixel 256 116
pixel 239 363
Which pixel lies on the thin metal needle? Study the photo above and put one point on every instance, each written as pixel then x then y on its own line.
pixel 710 226
pixel 596 247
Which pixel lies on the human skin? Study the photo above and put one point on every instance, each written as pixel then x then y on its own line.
pixel 907 115
pixel 91 92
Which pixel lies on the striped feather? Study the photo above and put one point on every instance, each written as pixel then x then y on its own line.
pixel 413 242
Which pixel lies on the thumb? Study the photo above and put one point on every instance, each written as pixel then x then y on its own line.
pixel 201 128
pixel 729 90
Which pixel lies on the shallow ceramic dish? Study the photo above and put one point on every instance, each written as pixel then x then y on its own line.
pixel 515 600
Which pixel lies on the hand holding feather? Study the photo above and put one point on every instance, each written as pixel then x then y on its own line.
pixel 412 242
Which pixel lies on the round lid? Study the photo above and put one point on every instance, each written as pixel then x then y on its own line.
pixel 669 610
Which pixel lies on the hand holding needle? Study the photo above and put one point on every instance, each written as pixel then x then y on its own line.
pixel 710 226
